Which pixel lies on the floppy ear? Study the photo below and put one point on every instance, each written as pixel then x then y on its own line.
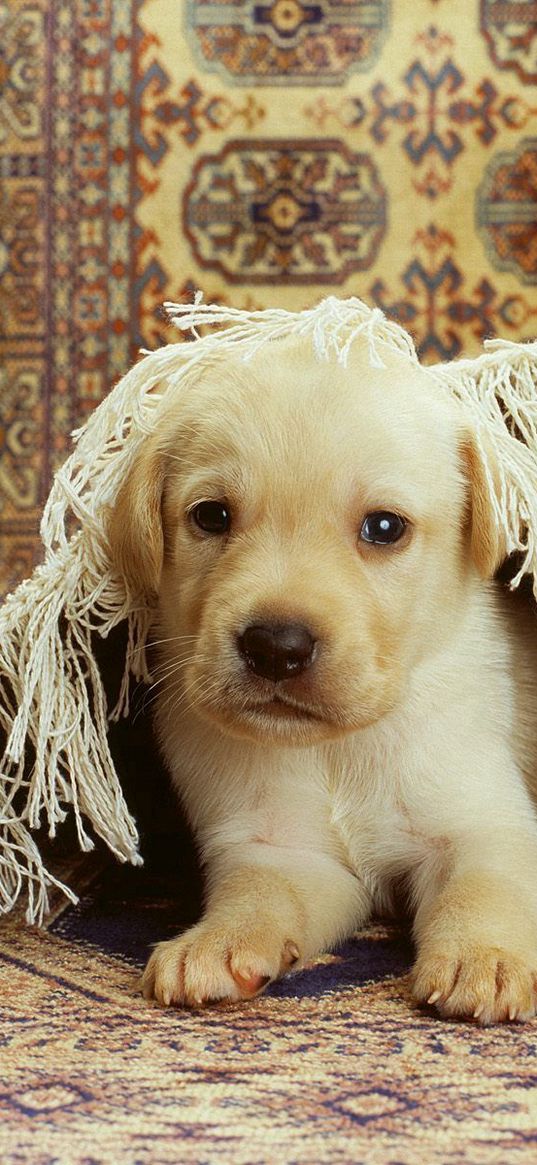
pixel 487 540
pixel 135 526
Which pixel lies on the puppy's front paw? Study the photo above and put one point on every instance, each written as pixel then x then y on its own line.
pixel 209 963
pixel 484 983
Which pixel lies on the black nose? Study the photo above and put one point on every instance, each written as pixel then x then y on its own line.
pixel 277 651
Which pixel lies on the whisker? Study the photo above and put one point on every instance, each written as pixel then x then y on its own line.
pixel 157 642
pixel 148 701
pixel 169 639
pixel 167 671
pixel 170 666
pixel 175 669
pixel 180 660
pixel 210 687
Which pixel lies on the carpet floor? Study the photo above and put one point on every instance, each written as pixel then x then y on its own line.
pixel 331 1065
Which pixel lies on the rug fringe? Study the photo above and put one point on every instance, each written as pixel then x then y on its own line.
pixel 499 392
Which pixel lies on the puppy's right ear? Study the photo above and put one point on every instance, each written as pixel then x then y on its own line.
pixel 135 526
pixel 487 540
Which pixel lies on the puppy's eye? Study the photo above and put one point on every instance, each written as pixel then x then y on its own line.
pixel 382 528
pixel 211 517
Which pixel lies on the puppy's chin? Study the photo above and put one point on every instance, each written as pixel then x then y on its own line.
pixel 271 723
pixel 280 721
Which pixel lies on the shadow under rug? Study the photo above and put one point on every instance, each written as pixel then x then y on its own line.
pixel 332 1064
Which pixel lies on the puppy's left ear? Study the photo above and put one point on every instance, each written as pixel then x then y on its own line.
pixel 135 525
pixel 488 542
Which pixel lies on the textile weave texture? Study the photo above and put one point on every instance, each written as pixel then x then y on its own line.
pixel 332 1065
pixel 267 153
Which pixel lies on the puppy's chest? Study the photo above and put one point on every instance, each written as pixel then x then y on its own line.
pixel 381 837
pixel 384 828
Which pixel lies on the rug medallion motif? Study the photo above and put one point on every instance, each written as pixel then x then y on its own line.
pixel 285 42
pixel 510 28
pixel 265 152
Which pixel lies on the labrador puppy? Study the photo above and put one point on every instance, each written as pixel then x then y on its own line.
pixel 346 701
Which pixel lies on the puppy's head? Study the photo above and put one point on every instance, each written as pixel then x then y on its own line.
pixel 311 532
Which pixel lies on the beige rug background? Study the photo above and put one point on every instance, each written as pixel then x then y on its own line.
pixel 269 153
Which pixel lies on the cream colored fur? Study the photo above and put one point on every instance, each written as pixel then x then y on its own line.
pixel 403 759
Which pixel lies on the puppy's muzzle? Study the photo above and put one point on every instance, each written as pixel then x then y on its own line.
pixel 277 651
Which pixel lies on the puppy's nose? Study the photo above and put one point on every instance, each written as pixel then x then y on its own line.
pixel 277 651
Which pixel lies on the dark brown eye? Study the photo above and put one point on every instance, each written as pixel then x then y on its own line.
pixel 382 528
pixel 211 517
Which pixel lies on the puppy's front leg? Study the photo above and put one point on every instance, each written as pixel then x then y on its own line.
pixel 476 930
pixel 268 909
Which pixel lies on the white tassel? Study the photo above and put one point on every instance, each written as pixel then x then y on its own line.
pixel 499 391
pixel 53 709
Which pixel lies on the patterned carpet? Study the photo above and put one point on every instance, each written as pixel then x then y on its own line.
pixel 332 1065
pixel 267 152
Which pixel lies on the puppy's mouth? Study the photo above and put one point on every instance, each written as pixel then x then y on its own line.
pixel 283 709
